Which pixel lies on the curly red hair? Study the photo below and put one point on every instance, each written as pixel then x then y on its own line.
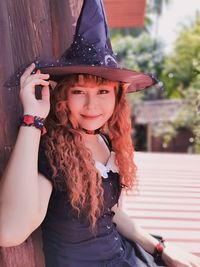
pixel 67 153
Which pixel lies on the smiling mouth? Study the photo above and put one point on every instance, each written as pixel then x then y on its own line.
pixel 90 117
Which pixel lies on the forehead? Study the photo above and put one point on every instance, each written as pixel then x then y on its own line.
pixel 94 81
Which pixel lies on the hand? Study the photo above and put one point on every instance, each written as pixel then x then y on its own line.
pixel 31 105
pixel 176 257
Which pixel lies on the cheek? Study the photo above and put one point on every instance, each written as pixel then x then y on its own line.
pixel 110 107
pixel 73 105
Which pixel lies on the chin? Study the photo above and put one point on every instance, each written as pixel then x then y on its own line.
pixel 91 128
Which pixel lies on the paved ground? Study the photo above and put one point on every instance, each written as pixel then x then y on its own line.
pixel 167 201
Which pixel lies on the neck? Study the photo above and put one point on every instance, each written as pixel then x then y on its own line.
pixel 90 136
pixel 91 132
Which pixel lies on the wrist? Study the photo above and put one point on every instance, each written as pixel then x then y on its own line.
pixel 158 250
pixel 34 121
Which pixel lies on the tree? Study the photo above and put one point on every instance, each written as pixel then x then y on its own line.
pixel 182 67
pixel 138 53
pixel 181 75
pixel 155 7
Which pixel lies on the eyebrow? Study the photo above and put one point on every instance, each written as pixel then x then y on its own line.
pixel 106 86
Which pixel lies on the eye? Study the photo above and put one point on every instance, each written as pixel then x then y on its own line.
pixel 77 92
pixel 103 91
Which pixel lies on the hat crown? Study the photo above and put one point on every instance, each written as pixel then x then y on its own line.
pixel 91 44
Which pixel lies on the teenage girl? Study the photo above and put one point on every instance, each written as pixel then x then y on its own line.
pixel 69 179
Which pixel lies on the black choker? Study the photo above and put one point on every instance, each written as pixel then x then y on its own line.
pixel 92 132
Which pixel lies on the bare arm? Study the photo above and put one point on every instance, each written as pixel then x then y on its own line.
pixel 129 229
pixel 172 255
pixel 24 194
pixel 20 197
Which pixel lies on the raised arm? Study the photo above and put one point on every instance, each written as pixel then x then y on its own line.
pixel 24 193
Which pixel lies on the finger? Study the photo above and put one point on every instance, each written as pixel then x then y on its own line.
pixel 45 93
pixel 31 84
pixel 28 71
pixel 34 77
pixel 40 82
pixel 38 71
pixel 39 75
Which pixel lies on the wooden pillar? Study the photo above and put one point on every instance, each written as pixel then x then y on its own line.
pixel 40 29
pixel 149 137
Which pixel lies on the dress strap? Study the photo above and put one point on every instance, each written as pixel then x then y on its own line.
pixel 107 141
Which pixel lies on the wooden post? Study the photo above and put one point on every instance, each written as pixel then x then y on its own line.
pixel 40 29
pixel 149 137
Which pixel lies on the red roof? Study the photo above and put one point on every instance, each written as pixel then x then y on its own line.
pixel 125 13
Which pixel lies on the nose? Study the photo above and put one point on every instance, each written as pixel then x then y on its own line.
pixel 91 101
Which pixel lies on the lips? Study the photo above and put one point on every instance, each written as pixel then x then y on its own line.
pixel 90 116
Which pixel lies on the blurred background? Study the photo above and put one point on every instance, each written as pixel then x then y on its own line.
pixel 164 41
pixel 157 36
pixel 167 45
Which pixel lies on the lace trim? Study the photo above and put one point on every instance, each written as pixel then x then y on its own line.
pixel 110 166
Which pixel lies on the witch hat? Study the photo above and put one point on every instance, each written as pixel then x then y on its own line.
pixel 91 53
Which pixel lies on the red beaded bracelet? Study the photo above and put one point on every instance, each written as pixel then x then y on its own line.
pixel 158 250
pixel 37 122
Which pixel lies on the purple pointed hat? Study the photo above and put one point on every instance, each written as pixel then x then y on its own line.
pixel 91 53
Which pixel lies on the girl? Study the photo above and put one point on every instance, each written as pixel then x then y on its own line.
pixel 70 180
pixel 83 161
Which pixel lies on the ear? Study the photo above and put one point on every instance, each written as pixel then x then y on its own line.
pixel 52 84
pixel 125 86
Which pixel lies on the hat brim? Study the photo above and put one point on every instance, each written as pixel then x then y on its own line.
pixel 137 80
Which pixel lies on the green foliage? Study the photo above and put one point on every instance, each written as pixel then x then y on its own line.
pixel 182 67
pixel 197 128
pixel 188 117
pixel 180 71
pixel 140 53
pixel 143 54
pixel 156 6
pixel 126 31
pixel 166 130
pixel 181 76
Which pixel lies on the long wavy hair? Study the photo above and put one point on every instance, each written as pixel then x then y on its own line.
pixel 67 153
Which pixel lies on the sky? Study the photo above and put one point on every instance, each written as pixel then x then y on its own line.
pixel 177 12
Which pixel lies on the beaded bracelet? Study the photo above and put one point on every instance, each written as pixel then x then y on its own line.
pixel 37 122
pixel 158 251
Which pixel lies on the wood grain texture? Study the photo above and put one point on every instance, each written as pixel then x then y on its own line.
pixel 29 30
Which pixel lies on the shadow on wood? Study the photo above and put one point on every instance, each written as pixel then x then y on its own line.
pixel 30 30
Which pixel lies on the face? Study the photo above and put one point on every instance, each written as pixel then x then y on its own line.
pixel 91 105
